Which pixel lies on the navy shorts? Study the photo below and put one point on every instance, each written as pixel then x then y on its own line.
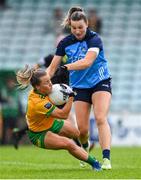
pixel 86 94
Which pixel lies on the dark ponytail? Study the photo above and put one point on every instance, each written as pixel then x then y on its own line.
pixel 75 14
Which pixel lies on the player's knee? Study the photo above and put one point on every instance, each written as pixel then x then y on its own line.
pixel 74 132
pixel 100 120
pixel 83 132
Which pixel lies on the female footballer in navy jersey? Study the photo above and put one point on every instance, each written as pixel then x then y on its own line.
pixel 89 77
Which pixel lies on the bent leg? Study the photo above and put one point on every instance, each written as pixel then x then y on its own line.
pixel 68 130
pixel 54 141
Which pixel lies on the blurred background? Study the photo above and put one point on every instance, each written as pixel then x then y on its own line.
pixel 31 29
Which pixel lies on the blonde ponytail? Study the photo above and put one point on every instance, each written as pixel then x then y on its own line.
pixel 24 76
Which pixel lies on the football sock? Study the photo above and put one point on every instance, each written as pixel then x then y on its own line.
pixel 85 145
pixel 90 160
pixel 106 153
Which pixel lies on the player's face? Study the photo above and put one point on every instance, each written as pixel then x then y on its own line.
pixel 79 28
pixel 45 86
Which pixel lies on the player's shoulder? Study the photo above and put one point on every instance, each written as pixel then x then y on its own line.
pixel 92 35
pixel 43 101
pixel 68 40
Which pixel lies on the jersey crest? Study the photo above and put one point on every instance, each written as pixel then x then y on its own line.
pixel 48 105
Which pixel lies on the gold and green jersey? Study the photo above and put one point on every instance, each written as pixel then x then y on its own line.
pixel 38 113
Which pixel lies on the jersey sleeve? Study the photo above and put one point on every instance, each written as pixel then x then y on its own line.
pixel 95 42
pixel 45 107
pixel 60 51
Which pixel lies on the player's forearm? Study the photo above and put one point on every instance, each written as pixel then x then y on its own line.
pixel 53 66
pixel 78 65
pixel 66 109
pixel 50 71
pixel 84 63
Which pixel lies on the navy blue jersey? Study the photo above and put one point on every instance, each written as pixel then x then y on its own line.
pixel 75 50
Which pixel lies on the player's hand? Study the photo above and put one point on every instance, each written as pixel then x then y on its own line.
pixel 72 94
pixel 62 70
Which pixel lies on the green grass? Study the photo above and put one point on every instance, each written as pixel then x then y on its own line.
pixel 30 162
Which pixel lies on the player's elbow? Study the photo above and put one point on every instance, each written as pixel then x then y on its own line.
pixel 61 114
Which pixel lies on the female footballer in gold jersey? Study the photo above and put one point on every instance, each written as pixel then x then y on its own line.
pixel 48 125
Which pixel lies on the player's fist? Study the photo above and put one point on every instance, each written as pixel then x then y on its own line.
pixel 62 70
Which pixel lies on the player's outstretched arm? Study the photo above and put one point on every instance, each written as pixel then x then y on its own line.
pixel 54 65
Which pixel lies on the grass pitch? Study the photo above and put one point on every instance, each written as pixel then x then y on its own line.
pixel 30 162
